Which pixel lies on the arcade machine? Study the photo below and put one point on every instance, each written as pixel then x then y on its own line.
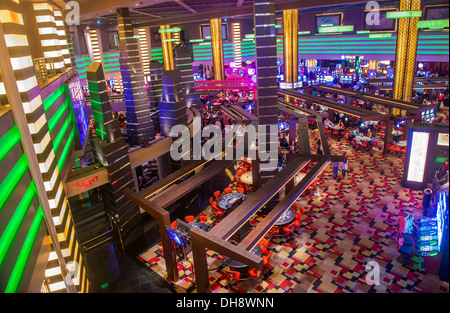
pixel 432 236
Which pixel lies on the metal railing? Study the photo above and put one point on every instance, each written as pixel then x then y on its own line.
pixel 44 69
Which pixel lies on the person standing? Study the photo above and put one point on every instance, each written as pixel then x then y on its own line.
pixel 335 169
pixel 344 166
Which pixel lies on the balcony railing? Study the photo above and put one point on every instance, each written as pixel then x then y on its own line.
pixel 44 69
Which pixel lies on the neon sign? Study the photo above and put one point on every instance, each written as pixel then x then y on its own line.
pixel 85 183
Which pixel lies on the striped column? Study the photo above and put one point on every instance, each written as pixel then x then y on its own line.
pixel 172 107
pixel 140 128
pixel 48 166
pixel 143 46
pixel 95 46
pixel 237 44
pixel 290 45
pixel 62 36
pixel 110 149
pixel 266 73
pixel 48 33
pixel 183 62
pixel 217 48
pixel 155 83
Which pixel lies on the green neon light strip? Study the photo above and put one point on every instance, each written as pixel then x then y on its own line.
pixel 111 65
pixel 15 222
pixel 25 253
pixel 387 35
pixel 65 153
pixel 196 40
pixel 433 24
pixel 61 134
pixel 51 99
pixel 356 44
pixel 115 69
pixel 9 184
pixel 403 14
pixel 8 141
pixel 304 32
pixel 170 30
pixel 335 29
pixel 360 32
pixel 106 56
pixel 57 116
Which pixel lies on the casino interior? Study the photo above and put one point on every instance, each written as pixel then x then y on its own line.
pixel 226 146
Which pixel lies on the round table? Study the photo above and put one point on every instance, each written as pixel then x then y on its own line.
pixel 286 218
pixel 238 265
pixel 246 178
pixel 201 226
pixel 228 200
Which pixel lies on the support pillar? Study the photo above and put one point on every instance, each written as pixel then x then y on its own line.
pixel 140 128
pixel 405 57
pixel 217 48
pixel 290 45
pixel 166 37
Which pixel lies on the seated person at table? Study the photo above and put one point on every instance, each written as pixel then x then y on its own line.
pixel 369 134
pixel 327 122
pixel 402 224
pixel 341 124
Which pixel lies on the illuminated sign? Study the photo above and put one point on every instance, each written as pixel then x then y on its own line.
pixel 418 156
pixel 403 14
pixel 442 139
pixel 335 29
pixel 433 24
pixel 170 30
pixel 85 183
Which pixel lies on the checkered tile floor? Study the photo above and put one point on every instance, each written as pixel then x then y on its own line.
pixel 349 222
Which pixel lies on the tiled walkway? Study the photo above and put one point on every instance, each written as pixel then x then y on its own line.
pixel 348 223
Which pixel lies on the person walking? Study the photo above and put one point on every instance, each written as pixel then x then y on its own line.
pixel 335 169
pixel 344 166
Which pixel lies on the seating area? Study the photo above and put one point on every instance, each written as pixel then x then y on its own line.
pixel 335 230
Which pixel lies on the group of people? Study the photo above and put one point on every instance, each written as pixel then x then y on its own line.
pixel 406 224
pixel 343 166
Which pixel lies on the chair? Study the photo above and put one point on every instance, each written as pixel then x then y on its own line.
pixel 403 150
pixel 227 190
pixel 217 194
pixel 233 275
pixel 375 144
pixel 189 218
pixel 328 131
pixel 203 218
pixel 254 273
pixel 390 148
pixel 211 200
pixel 298 216
pixel 364 145
pixel 274 231
pixel 218 212
pixel 397 149
pixel 287 229
pixel 356 144
pixel 294 206
pixel 240 190
pixel 266 259
pixel 302 210
pixel 173 224
pixel 336 133
pixel 263 248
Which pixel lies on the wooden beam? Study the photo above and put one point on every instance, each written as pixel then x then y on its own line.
pixel 163 218
pixel 240 215
pixel 261 229
pixel 168 197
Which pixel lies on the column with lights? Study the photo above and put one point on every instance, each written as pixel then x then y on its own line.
pixel 111 150
pixel 290 46
pixel 217 48
pixel 267 84
pixel 237 44
pixel 140 128
pixel 406 50
pixel 166 38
